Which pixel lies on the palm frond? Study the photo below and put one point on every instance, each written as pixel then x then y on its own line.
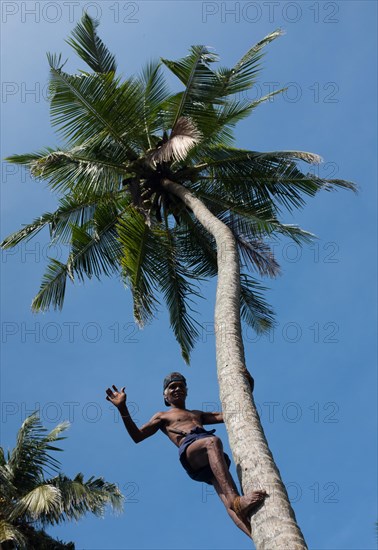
pixel 78 211
pixel 87 105
pixel 205 117
pixel 27 232
pixel 243 75
pixel 253 308
pixel 294 232
pixel 258 212
pixel 183 138
pixel 271 177
pixel 139 263
pixel 27 158
pixel 310 158
pixel 90 47
pixel 177 292
pixel 31 457
pixel 41 502
pixel 81 170
pixel 79 497
pixel 155 93
pixel 73 210
pixel 236 110
pixel 9 532
pixel 199 80
pixel 8 492
pixel 53 286
pixel 94 253
pixel 197 247
pixel 257 254
pixel 39 539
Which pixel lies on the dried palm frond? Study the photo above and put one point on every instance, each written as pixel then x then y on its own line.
pixel 184 136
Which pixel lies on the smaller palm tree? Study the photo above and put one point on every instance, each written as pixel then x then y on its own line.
pixel 30 499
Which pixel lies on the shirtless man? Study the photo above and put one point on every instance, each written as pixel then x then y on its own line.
pixel 201 452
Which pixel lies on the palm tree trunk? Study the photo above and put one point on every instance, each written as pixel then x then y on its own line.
pixel 273 526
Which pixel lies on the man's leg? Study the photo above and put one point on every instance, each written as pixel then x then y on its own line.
pixel 239 523
pixel 209 451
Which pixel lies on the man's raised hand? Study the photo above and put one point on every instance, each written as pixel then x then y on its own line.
pixel 118 398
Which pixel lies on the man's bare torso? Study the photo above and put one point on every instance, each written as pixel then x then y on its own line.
pixel 181 420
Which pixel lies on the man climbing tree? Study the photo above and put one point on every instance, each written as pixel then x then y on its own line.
pixel 200 451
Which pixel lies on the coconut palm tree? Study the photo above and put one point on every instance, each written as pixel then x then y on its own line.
pixel 153 187
pixel 31 499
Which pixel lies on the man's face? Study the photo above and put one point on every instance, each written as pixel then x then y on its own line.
pixel 176 393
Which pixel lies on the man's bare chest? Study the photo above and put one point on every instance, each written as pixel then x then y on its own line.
pixel 182 417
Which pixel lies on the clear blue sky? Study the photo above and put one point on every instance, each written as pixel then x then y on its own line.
pixel 315 378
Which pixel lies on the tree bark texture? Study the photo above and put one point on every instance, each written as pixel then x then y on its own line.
pixel 274 525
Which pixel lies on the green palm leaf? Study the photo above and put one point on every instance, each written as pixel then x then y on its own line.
pixel 139 263
pixel 254 309
pixel 271 177
pixel 94 251
pixel 90 47
pixel 27 232
pixel 155 94
pixel 233 112
pixel 243 75
pixel 87 105
pixel 79 497
pixel 193 70
pixel 53 287
pixel 298 235
pixel 31 455
pixel 177 292
pixel 197 247
pixel 84 170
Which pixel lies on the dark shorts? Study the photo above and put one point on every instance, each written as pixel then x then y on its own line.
pixel 203 474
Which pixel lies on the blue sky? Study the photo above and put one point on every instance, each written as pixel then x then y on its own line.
pixel 315 376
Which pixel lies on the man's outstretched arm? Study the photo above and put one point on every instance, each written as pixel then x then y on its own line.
pixel 118 398
pixel 212 417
